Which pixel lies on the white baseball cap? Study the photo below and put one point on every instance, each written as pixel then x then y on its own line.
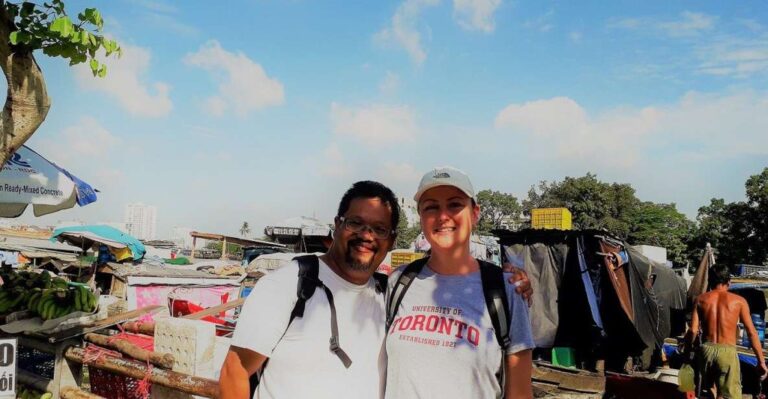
pixel 445 176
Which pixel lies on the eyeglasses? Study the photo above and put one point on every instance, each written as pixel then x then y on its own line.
pixel 357 226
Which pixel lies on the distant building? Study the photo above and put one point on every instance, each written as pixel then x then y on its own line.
pixel 182 237
pixel 408 207
pixel 141 221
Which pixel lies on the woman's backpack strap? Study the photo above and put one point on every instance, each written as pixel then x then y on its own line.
pixel 403 282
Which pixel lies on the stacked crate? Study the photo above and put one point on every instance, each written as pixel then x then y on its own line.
pixel 404 258
pixel 551 218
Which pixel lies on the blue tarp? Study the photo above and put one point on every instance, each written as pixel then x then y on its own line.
pixel 85 236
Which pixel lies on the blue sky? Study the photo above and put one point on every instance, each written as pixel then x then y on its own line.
pixel 258 111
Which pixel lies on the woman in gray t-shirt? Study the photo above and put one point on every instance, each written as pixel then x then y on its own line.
pixel 441 342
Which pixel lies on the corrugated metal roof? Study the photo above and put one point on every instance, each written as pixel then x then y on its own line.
pixel 9 243
pixel 145 270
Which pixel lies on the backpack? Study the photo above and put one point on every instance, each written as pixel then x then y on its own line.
pixel 494 291
pixel 309 267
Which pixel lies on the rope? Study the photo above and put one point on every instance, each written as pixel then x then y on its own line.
pixel 145 385
pixel 95 352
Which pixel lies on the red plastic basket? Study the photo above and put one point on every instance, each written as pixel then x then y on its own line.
pixel 114 386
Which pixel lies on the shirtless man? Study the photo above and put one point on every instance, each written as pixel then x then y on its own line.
pixel 719 312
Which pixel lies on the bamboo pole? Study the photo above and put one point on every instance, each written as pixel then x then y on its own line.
pixel 181 382
pixel 74 393
pixel 164 360
pixel 214 310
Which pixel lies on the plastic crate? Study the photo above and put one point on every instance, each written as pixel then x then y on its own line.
pixel 113 386
pixel 36 362
pixel 551 218
pixel 563 357
pixel 404 258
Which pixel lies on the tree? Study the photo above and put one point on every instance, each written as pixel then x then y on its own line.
pixel 24 28
pixel 245 229
pixel 592 203
pixel 497 209
pixel 406 234
pixel 757 200
pixel 738 231
pixel 661 225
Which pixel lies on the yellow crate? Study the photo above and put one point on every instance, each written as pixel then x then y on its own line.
pixel 551 218
pixel 404 258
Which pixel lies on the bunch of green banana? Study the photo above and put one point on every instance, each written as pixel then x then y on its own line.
pixel 84 299
pixel 10 299
pixel 23 290
pixel 28 393
pixel 53 303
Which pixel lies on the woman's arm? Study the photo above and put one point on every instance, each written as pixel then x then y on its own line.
pixel 517 381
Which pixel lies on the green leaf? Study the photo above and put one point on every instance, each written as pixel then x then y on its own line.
pixel 62 26
pixel 14 37
pixel 94 66
pixel 93 16
pixel 27 8
pixel 103 71
pixel 13 9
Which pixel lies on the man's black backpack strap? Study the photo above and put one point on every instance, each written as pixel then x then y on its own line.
pixel 495 292
pixel 403 282
pixel 309 267
pixel 380 279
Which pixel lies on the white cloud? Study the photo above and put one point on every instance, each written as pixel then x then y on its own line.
pixel 244 87
pixel 576 37
pixel 375 124
pixel 333 163
pixel 126 83
pixel 401 177
pixel 701 125
pixel 390 83
pixel 734 56
pixel 87 139
pixel 543 23
pixel 87 149
pixel 689 24
pixel 476 14
pixel 403 31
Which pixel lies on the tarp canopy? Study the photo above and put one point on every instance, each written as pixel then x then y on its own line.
pixel 87 236
pixel 585 300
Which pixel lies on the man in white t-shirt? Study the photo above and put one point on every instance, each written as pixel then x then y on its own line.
pixel 301 365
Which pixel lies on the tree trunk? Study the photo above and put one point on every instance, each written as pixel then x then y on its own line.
pixel 27 101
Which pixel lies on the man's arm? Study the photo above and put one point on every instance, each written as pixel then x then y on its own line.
pixel 693 330
pixel 520 279
pixel 517 376
pixel 754 339
pixel 239 366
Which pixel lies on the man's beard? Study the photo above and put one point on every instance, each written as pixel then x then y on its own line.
pixel 353 263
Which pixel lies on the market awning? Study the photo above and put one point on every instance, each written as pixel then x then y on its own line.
pixel 87 236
